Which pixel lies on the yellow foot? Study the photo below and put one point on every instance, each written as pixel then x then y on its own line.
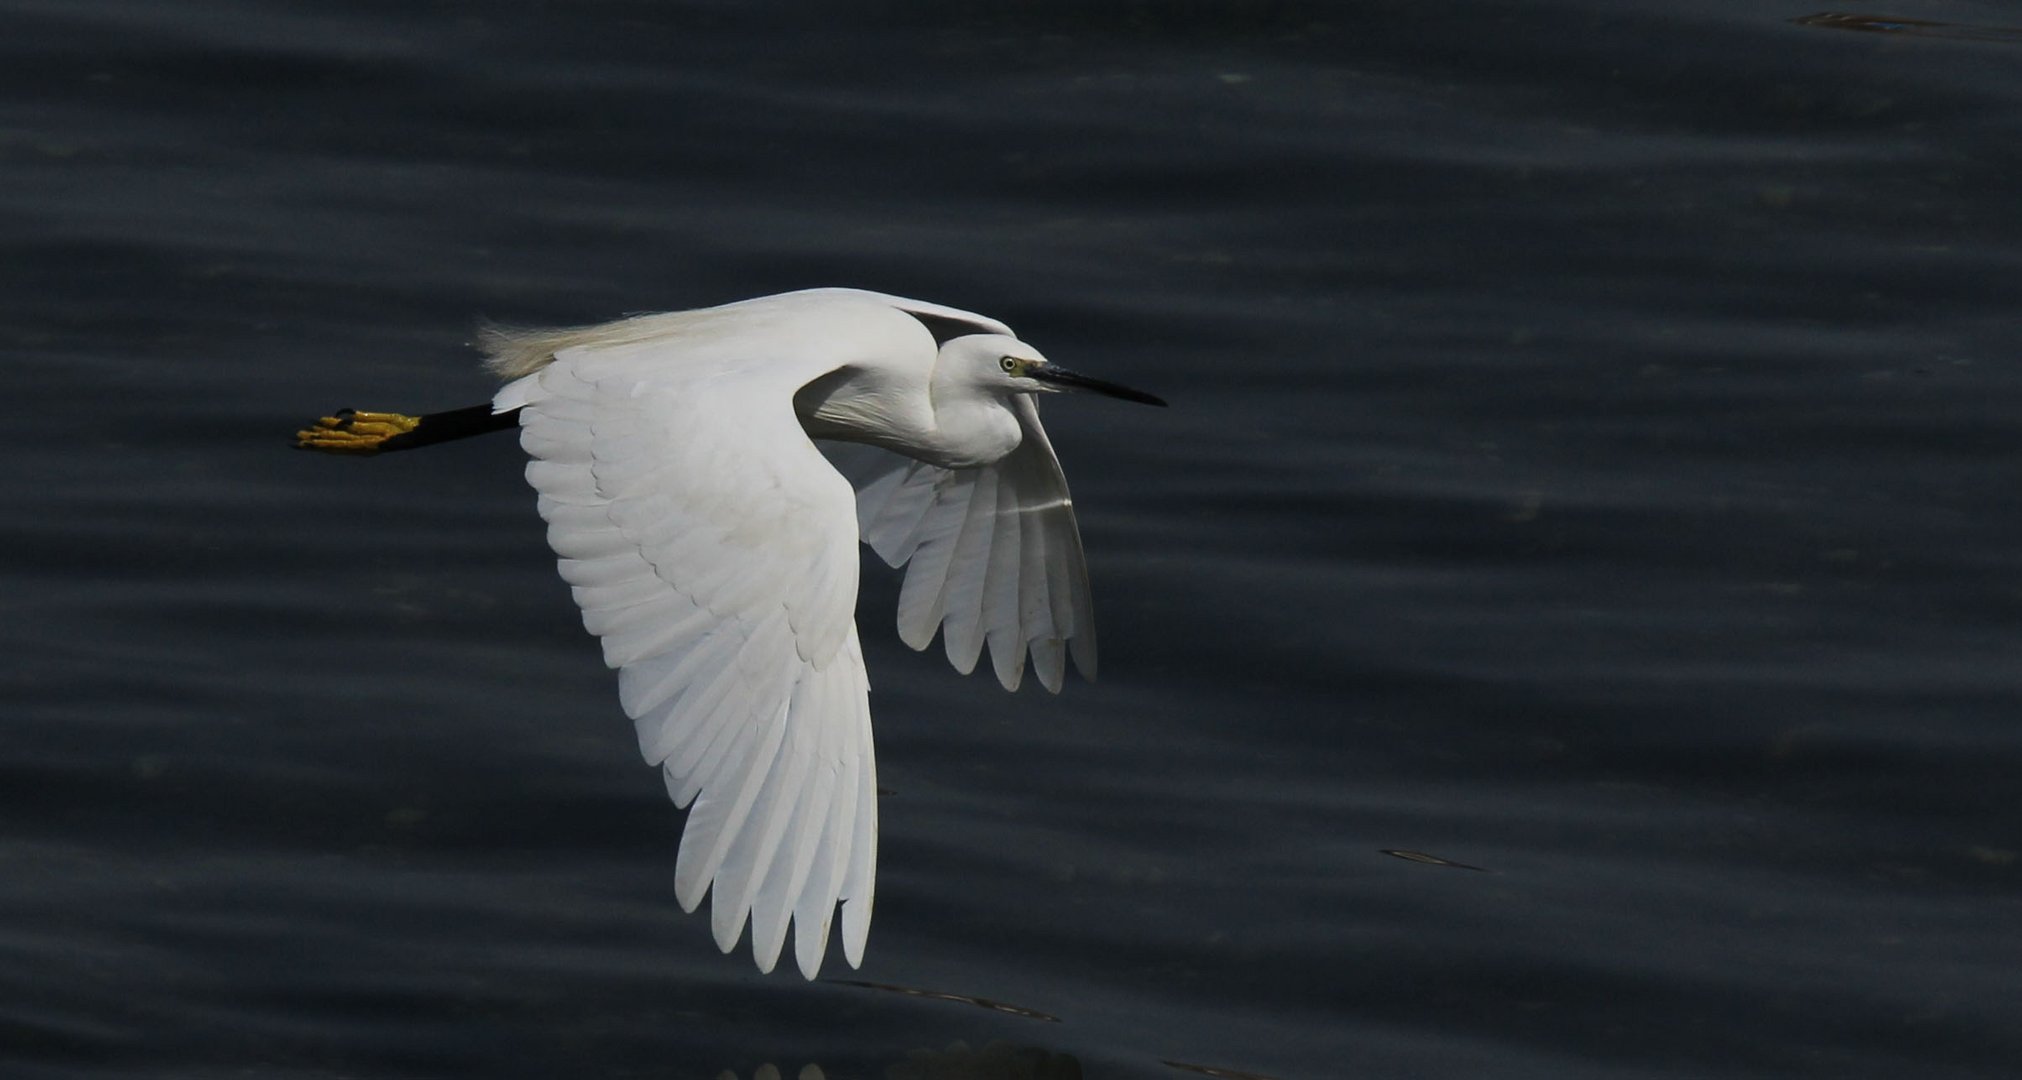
pixel 354 432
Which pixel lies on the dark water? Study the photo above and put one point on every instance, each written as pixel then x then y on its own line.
pixel 1593 459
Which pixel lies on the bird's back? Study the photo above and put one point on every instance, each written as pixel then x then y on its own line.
pixel 843 325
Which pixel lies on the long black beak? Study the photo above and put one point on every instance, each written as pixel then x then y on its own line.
pixel 1068 380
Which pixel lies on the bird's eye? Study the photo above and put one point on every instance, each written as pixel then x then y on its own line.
pixel 1009 364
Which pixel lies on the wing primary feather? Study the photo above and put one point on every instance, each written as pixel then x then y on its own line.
pixel 721 821
pixel 748 879
pixel 1049 659
pixel 814 915
pixel 906 514
pixel 692 873
pixel 1004 628
pixel 923 593
pixel 963 595
pixel 879 524
pixel 860 882
pixel 1035 603
pixel 788 881
pixel 786 855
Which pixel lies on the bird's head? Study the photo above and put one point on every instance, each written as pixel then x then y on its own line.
pixel 1007 365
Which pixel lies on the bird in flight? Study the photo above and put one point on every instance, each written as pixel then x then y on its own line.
pixel 712 549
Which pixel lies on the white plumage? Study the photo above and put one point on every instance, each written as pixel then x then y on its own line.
pixel 711 547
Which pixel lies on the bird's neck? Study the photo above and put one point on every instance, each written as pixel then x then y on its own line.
pixel 968 431
pixel 954 429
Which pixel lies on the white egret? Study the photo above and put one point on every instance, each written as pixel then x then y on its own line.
pixel 712 548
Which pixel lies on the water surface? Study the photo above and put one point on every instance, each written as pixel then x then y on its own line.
pixel 1590 461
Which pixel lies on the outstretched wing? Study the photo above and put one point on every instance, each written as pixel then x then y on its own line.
pixel 710 548
pixel 992 554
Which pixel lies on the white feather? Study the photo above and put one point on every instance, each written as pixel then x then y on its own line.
pixel 711 549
